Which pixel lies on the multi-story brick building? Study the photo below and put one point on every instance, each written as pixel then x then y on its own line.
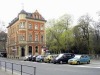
pixel 26 34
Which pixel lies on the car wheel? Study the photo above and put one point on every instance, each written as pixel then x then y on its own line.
pixel 78 62
pixel 48 61
pixel 54 62
pixel 60 62
pixel 41 61
pixel 88 62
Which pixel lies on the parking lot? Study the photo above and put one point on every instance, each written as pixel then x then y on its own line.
pixel 61 69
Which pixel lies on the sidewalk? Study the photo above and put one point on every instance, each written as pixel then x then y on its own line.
pixel 2 72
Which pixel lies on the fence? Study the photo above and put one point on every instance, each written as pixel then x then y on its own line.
pixel 21 69
pixel 94 56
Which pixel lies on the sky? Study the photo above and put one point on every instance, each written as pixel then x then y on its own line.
pixel 49 9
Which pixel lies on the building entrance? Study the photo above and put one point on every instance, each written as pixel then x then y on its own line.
pixel 22 51
pixel 30 50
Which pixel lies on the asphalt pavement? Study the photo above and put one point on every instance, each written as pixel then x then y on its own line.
pixel 59 69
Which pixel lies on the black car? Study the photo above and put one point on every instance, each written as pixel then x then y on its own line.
pixel 63 58
pixel 1 55
pixel 34 57
pixel 28 58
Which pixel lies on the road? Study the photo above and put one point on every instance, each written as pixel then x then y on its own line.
pixel 58 69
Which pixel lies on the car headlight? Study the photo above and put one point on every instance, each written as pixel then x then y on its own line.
pixel 75 60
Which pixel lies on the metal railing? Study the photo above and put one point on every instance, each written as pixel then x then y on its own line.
pixel 30 70
pixel 94 56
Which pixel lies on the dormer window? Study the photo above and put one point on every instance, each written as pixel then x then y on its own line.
pixel 36 16
pixel 39 17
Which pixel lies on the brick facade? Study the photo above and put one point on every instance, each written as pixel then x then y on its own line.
pixel 26 35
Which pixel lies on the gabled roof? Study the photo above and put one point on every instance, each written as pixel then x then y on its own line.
pixel 35 16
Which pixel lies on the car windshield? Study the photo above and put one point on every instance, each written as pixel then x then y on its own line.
pixel 77 56
pixel 39 56
pixel 59 56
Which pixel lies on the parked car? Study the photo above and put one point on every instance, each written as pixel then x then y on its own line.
pixel 63 58
pixel 34 57
pixel 54 56
pixel 28 58
pixel 1 55
pixel 79 59
pixel 40 58
pixel 48 58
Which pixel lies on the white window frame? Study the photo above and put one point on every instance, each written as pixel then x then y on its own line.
pixel 22 25
pixel 36 27
pixel 30 37
pixel 30 26
pixel 42 27
pixel 42 38
pixel 36 37
pixel 21 37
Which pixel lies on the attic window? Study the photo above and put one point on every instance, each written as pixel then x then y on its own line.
pixel 36 16
pixel 39 17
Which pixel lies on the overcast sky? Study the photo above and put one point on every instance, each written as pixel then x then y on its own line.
pixel 49 9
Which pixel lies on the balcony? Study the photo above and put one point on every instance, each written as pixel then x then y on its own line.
pixel 22 42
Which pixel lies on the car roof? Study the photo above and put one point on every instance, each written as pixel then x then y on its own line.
pixel 66 53
pixel 80 55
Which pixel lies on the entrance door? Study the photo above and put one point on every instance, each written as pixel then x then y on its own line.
pixel 36 49
pixel 22 51
pixel 30 50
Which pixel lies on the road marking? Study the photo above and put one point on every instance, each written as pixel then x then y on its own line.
pixel 95 63
pixel 84 66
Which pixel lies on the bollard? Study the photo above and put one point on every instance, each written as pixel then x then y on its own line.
pixel 5 66
pixel 0 64
pixel 21 69
pixel 12 68
pixel 34 70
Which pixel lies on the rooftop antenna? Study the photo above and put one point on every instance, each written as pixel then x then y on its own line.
pixel 22 5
